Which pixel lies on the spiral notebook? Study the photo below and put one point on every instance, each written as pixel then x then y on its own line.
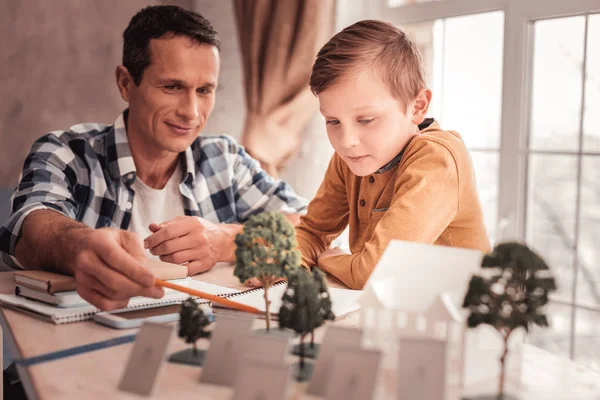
pixel 59 315
pixel 343 301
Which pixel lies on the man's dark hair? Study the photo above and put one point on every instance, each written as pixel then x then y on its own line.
pixel 156 22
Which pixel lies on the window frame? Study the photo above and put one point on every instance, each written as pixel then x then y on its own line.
pixel 517 75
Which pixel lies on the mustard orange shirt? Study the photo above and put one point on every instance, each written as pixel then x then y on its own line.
pixel 426 194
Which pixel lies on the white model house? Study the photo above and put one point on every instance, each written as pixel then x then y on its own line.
pixel 416 290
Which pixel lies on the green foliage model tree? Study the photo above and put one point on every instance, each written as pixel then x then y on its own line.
pixel 192 322
pixel 324 300
pixel 302 308
pixel 266 250
pixel 512 293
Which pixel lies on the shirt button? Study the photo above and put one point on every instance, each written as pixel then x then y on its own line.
pixel 363 203
pixel 128 205
pixel 129 176
pixel 371 179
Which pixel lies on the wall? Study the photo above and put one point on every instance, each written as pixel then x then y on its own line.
pixel 57 69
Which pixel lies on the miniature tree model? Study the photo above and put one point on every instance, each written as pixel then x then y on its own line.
pixel 324 300
pixel 511 296
pixel 300 307
pixel 324 304
pixel 192 322
pixel 266 250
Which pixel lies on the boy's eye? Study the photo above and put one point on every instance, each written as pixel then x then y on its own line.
pixel 332 122
pixel 366 120
pixel 204 91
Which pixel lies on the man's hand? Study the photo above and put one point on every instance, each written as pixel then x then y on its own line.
pixel 334 251
pixel 192 240
pixel 108 268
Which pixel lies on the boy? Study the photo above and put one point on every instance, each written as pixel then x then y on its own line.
pixel 394 174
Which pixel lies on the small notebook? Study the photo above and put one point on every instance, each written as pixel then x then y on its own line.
pixel 343 301
pixel 51 282
pixel 45 281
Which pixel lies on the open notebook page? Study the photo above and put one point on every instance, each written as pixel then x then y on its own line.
pixel 343 301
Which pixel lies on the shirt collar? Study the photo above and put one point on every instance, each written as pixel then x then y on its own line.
pixel 427 122
pixel 118 153
pixel 120 160
pixel 189 176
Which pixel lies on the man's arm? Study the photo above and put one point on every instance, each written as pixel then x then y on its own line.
pixel 42 232
pixel 54 238
pixel 201 243
pixel 107 262
pixel 256 191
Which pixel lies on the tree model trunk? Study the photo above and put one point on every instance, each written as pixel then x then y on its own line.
pixel 503 366
pixel 267 304
pixel 302 351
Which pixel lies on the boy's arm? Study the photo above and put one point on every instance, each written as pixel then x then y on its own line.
pixel 327 215
pixel 424 204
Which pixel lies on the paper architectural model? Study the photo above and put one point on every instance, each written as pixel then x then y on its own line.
pixel 336 338
pixel 416 290
pixel 266 250
pixel 352 374
pixel 421 369
pixel 226 350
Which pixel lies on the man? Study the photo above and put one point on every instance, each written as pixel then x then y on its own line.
pixel 88 195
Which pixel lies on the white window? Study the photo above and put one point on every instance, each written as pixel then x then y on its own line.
pixel 520 80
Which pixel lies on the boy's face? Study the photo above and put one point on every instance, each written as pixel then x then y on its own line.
pixel 367 126
pixel 176 95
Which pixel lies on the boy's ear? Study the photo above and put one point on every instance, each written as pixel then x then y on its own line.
pixel 124 82
pixel 421 106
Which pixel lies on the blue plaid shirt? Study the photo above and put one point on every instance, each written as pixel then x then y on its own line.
pixel 86 174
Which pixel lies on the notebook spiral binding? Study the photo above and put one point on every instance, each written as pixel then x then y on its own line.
pixel 142 303
pixel 243 292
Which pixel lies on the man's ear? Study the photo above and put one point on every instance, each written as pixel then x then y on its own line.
pixel 421 106
pixel 124 82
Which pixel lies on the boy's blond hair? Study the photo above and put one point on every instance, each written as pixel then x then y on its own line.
pixel 371 44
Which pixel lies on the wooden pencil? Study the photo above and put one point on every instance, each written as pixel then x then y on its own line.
pixel 215 299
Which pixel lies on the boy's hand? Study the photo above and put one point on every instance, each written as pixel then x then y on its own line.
pixel 334 251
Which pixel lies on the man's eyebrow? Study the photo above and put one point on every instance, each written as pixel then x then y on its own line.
pixel 163 81
pixel 211 85
pixel 171 81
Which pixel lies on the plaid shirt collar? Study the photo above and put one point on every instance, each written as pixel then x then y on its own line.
pixel 120 160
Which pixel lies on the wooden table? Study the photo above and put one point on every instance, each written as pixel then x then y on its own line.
pixel 95 375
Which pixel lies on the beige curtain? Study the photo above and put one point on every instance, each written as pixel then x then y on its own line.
pixel 279 40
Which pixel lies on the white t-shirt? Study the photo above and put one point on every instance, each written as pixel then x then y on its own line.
pixel 155 205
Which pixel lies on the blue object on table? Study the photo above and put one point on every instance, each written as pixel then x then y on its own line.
pixel 73 351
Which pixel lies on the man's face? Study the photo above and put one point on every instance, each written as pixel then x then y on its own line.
pixel 176 95
pixel 367 126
